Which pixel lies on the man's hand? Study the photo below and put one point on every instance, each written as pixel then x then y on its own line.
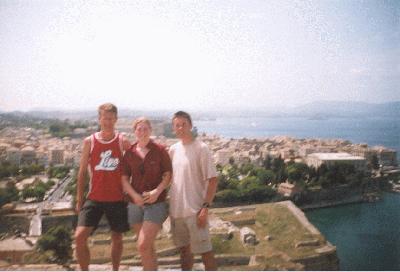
pixel 202 217
pixel 151 197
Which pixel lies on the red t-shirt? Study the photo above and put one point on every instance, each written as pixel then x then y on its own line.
pixel 105 166
pixel 146 174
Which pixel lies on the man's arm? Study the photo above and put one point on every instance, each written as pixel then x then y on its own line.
pixel 80 186
pixel 210 194
pixel 211 190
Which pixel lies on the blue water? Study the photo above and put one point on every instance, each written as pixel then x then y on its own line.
pixel 372 131
pixel 367 235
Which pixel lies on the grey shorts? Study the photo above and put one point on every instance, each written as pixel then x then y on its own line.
pixel 186 232
pixel 156 213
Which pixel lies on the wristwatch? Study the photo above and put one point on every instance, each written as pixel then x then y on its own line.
pixel 206 205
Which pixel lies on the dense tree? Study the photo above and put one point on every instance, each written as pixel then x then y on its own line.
pixel 265 176
pixel 222 182
pixel 8 194
pixel 281 175
pixel 58 241
pixel 297 172
pixel 374 162
pixel 277 164
pixel 267 162
pixel 250 183
pixel 37 190
pixel 322 170
pixel 33 169
pixel 230 171
pixel 246 168
pixel 7 169
pixel 58 172
pixel 256 192
pixel 228 196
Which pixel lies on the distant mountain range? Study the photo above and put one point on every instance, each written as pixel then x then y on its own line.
pixel 314 110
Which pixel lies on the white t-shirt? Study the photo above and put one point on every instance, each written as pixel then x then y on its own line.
pixel 192 166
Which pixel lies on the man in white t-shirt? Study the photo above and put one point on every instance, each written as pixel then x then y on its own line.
pixel 193 188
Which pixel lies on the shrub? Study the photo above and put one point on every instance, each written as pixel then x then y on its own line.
pixel 58 241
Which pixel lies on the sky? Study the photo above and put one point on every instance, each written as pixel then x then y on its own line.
pixel 197 55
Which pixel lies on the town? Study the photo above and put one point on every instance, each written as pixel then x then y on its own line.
pixel 251 171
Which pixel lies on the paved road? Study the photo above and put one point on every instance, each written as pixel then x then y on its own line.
pixel 57 195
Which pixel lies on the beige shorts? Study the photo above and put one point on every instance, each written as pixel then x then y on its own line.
pixel 185 231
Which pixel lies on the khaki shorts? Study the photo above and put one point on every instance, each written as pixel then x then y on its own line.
pixel 186 232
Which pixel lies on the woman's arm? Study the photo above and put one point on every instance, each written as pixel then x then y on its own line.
pixel 152 196
pixel 137 198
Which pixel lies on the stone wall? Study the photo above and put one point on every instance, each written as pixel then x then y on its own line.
pixel 14 223
pixel 68 221
pixel 324 260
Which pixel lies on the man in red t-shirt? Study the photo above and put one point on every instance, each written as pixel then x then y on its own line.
pixel 102 153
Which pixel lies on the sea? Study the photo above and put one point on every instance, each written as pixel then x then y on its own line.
pixel 367 235
pixel 372 131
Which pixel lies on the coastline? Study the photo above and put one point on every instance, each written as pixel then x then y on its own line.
pixel 327 204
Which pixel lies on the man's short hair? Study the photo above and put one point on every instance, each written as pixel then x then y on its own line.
pixel 141 120
pixel 182 114
pixel 108 107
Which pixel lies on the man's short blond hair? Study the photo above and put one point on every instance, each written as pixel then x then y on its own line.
pixel 141 120
pixel 108 107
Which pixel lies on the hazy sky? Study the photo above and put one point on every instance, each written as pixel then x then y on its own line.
pixel 197 54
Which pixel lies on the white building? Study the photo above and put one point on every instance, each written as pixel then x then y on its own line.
pixel 329 159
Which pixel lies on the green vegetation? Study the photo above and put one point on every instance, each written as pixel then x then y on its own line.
pixel 256 184
pixel 59 172
pixel 7 170
pixel 373 162
pixel 284 232
pixel 8 194
pixel 71 187
pixel 58 241
pixel 277 221
pixel 230 246
pixel 58 128
pixel 37 190
pixel 19 119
